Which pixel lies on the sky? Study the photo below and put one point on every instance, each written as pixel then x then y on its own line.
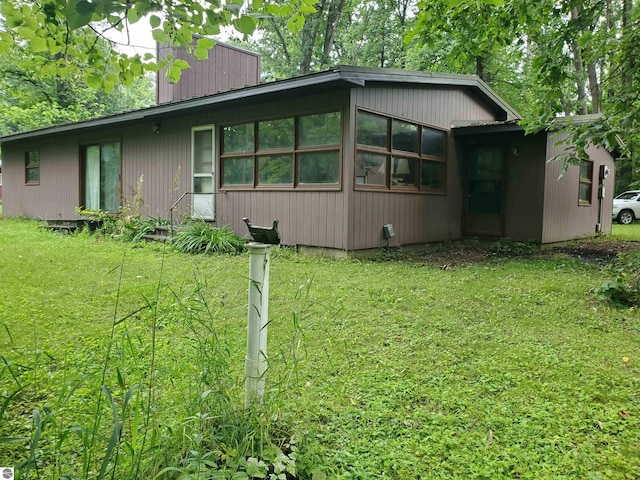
pixel 140 40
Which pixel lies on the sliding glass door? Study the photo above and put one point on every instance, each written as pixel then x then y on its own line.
pixel 102 177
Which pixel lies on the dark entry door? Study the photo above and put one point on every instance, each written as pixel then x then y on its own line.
pixel 485 191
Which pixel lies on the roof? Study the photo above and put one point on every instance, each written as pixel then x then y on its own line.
pixel 339 77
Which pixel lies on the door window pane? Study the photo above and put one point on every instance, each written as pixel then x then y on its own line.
pixel 110 177
pixel 319 167
pixel 371 169
pixel 102 177
pixel 275 134
pixel 237 171
pixel 203 151
pixel 275 169
pixel 203 184
pixel 92 178
pixel 319 129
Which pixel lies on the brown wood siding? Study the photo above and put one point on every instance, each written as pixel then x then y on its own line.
pixel 417 218
pixel 307 217
pixel 564 219
pixel 524 187
pixel 227 68
pixel 57 194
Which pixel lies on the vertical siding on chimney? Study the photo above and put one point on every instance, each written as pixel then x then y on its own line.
pixel 227 68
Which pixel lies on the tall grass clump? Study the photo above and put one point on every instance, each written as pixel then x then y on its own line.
pixel 202 238
pixel 166 401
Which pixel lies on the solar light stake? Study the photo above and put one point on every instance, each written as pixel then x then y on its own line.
pixel 256 361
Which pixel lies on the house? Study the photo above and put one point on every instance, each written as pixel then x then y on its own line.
pixel 335 156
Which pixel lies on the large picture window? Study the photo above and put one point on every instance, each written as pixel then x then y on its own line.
pixel 293 152
pixel 32 168
pixel 397 155
pixel 102 177
pixel 586 182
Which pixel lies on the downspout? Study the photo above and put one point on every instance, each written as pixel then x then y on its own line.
pixel 602 175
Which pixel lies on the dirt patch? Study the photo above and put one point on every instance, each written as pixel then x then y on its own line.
pixel 449 255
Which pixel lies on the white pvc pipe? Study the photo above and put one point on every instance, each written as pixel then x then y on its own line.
pixel 258 318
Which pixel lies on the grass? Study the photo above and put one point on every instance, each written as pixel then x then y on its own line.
pixel 509 368
pixel 626 232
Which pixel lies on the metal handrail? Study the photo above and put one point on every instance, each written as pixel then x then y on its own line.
pixel 172 208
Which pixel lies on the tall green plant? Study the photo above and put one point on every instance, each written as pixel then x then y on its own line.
pixel 202 238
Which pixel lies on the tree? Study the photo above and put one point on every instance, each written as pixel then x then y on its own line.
pixel 568 56
pixel 354 32
pixel 73 32
pixel 30 101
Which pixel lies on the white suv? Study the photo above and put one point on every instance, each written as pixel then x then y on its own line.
pixel 626 207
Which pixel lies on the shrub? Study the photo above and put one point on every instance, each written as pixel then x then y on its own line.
pixel 624 288
pixel 202 238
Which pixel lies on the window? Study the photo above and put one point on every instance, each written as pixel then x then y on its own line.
pixel 586 182
pixel 101 164
pixel 397 155
pixel 202 149
pixel 294 152
pixel 32 168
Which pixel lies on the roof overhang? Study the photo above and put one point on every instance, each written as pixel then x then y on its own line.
pixel 464 128
pixel 338 78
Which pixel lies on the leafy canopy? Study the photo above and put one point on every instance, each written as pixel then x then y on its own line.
pixel 66 35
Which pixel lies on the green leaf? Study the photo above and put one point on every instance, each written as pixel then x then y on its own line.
pixel 132 15
pixel 307 9
pixel 274 10
pixel 154 21
pixel 206 43
pixel 201 53
pixel 174 74
pixel 78 13
pixel 159 36
pixel 53 46
pixel 295 23
pixel 245 24
pixel 39 44
pixel 12 439
pixel 93 80
pixel 26 33
pixel 181 64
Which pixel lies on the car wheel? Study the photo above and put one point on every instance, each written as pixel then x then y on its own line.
pixel 625 217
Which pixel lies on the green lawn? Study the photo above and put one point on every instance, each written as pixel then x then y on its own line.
pixel 509 368
pixel 626 232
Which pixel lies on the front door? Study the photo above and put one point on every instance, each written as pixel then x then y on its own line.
pixel 203 165
pixel 484 192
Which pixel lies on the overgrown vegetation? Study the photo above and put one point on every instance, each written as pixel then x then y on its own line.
pixel 624 288
pixel 199 237
pixel 128 362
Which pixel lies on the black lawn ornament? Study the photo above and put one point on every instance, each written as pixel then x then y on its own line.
pixel 268 235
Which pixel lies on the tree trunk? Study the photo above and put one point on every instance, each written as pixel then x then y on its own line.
pixel 333 18
pixel 581 107
pixel 594 88
pixel 308 36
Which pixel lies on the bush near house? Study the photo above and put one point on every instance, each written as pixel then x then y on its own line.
pixel 126 361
